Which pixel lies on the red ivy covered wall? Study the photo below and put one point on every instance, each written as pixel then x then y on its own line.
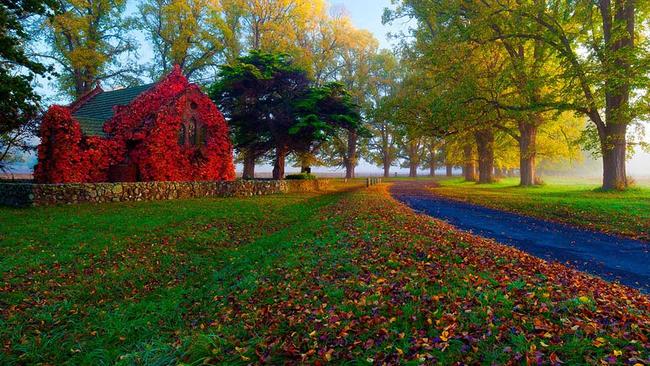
pixel 144 135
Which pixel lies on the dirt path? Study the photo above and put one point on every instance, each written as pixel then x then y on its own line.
pixel 610 257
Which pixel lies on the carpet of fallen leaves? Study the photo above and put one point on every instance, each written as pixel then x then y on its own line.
pixel 357 279
pixel 407 288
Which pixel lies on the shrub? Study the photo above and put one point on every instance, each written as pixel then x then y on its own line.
pixel 301 176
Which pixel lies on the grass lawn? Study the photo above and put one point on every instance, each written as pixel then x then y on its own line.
pixel 348 277
pixel 574 202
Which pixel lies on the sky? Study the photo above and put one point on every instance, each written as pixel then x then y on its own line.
pixel 367 14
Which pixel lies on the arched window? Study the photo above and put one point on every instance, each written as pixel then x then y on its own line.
pixel 181 135
pixel 203 136
pixel 192 132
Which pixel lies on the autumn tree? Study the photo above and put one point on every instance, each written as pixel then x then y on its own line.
pixel 411 150
pixel 89 42
pixel 382 145
pixel 459 149
pixel 431 157
pixel 320 39
pixel 584 57
pixel 301 28
pixel 600 86
pixel 314 34
pixel 193 34
pixel 353 71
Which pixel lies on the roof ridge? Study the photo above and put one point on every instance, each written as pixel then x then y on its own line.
pixel 83 99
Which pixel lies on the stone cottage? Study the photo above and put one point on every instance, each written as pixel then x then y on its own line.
pixel 166 131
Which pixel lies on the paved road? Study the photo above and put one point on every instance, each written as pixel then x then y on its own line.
pixel 610 257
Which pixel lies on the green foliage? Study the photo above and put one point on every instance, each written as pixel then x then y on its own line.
pixel 323 110
pixel 383 118
pixel 271 103
pixel 18 101
pixel 520 65
pixel 257 95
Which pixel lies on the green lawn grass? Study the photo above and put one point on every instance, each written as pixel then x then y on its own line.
pixel 348 277
pixel 89 284
pixel 572 201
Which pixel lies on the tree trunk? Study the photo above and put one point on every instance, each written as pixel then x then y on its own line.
pixel 414 158
pixel 249 165
pixel 449 170
pixel 386 168
pixel 432 160
pixel 485 144
pixel 614 149
pixel 351 159
pixel 469 170
pixel 280 158
pixel 305 161
pixel 413 170
pixel 619 39
pixel 527 153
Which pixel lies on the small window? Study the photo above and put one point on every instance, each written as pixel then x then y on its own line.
pixel 181 135
pixel 193 105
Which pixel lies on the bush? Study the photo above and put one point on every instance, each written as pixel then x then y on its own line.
pixel 301 176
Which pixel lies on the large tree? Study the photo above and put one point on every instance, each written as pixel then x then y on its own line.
pixel 354 64
pixel 601 85
pixel 321 113
pixel 90 42
pixel 600 61
pixel 382 146
pixel 193 34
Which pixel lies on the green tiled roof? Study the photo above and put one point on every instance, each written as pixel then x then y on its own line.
pixel 95 112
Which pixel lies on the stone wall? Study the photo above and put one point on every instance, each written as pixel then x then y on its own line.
pixel 29 194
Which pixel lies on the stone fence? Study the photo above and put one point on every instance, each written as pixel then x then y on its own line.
pixel 30 194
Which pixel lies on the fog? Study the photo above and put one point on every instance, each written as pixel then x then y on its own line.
pixel 639 166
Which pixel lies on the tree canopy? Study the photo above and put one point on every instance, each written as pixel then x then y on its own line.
pixel 520 65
